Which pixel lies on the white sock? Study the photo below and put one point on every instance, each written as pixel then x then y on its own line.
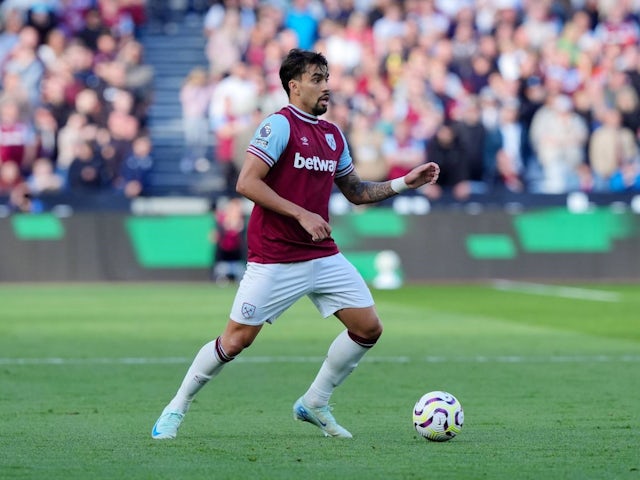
pixel 343 356
pixel 207 363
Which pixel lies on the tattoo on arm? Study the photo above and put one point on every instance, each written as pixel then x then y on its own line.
pixel 359 192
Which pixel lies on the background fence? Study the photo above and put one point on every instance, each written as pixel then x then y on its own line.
pixel 547 243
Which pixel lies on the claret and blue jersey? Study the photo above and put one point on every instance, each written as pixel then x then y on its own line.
pixel 305 155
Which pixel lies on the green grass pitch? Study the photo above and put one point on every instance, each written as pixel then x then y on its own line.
pixel 549 380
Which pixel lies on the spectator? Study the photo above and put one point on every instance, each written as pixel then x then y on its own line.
pixel 366 145
pixel 402 152
pixel 445 150
pixel 12 23
pixel 475 144
pixel 232 102
pixel 618 28
pixel 88 104
pixel 558 136
pixel 24 62
pixel 123 127
pixel 626 101
pixel 68 137
pixel 195 96
pixel 225 43
pixel 51 52
pixel 133 177
pixel 21 201
pixel 229 240
pixel 226 128
pixel 390 25
pixel 118 18
pixel 531 97
pixel 626 178
pixel 301 19
pixel 13 90
pixel 132 74
pixel 46 130
pixel 509 167
pixel 243 136
pixel 431 21
pixel 17 139
pixel 106 49
pixel 10 177
pixel 539 25
pixel 44 179
pixel 464 43
pixel 87 172
pixel 611 146
pixel 42 18
pixel 92 28
pixel 342 51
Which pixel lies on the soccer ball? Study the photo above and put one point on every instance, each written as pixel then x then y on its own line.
pixel 438 416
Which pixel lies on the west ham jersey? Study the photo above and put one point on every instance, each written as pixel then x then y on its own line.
pixel 305 156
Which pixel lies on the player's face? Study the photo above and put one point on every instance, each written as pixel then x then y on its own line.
pixel 314 90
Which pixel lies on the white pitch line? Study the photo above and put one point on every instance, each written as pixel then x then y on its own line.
pixel 556 291
pixel 299 359
pixel 540 359
pixel 176 360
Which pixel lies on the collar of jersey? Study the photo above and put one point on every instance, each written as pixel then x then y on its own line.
pixel 305 117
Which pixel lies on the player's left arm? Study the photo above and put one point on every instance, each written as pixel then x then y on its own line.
pixel 359 191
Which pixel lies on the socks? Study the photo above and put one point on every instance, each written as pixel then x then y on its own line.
pixel 208 362
pixel 343 356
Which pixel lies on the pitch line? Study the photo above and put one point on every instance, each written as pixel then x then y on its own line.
pixel 509 359
pixel 557 291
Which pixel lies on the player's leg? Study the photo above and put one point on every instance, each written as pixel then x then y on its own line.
pixel 363 330
pixel 263 294
pixel 345 294
pixel 208 362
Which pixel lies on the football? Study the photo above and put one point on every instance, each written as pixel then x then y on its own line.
pixel 438 416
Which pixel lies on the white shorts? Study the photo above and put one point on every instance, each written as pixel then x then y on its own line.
pixel 267 290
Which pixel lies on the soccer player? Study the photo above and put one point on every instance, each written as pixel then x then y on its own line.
pixel 289 170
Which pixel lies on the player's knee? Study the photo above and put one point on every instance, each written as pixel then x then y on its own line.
pixel 368 335
pixel 234 344
pixel 376 331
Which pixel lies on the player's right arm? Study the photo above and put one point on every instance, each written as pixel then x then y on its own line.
pixel 251 185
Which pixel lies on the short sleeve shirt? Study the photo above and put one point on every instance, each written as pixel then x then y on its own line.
pixel 305 155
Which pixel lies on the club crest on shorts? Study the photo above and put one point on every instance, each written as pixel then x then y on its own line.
pixel 331 141
pixel 248 310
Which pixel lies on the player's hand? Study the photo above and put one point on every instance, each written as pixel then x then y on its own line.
pixel 426 173
pixel 316 226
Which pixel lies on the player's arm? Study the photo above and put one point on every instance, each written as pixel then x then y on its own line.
pixel 251 185
pixel 358 191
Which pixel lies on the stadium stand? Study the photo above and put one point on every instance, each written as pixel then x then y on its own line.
pixel 523 101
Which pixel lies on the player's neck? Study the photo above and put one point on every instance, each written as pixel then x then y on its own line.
pixel 301 108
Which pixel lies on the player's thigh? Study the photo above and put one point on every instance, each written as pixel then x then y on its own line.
pixel 267 290
pixel 337 285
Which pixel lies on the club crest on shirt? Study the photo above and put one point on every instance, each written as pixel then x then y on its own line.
pixel 331 141
pixel 248 310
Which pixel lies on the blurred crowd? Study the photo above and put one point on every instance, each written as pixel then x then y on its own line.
pixel 533 96
pixel 73 99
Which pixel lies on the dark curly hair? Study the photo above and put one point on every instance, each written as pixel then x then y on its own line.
pixel 296 63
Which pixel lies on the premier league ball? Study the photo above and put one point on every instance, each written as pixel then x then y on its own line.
pixel 438 416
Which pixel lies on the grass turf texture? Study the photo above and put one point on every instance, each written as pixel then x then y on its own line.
pixel 550 386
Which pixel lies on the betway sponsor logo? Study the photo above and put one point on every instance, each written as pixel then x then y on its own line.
pixel 315 163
